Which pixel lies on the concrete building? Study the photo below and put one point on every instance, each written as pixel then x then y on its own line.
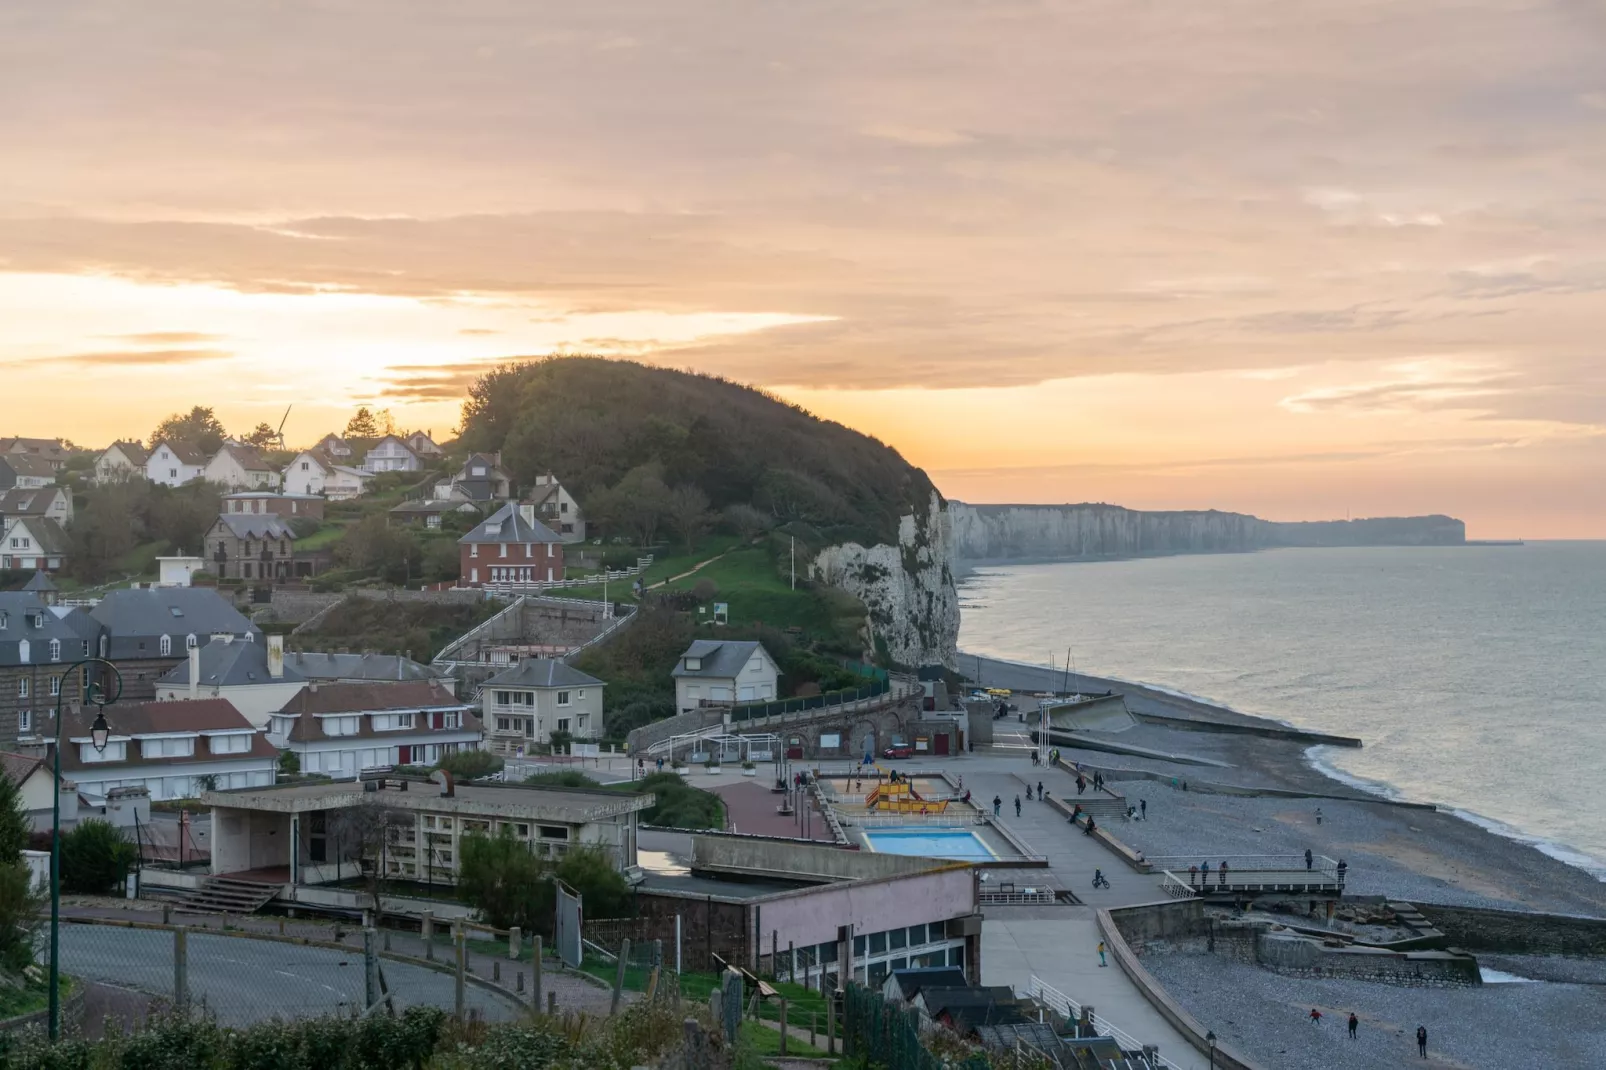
pixel 175 750
pixel 716 672
pixel 527 703
pixel 250 676
pixel 344 730
pixel 37 640
pixel 300 835
pixel 511 547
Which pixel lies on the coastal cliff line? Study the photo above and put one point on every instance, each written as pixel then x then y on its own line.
pixel 1095 530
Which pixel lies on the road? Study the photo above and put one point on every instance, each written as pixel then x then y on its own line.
pixel 243 980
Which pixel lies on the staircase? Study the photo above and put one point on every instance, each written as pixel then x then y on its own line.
pixel 226 895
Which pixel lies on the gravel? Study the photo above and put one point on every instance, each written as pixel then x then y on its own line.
pixel 1500 1026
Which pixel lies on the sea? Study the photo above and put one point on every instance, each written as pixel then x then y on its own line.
pixel 1474 675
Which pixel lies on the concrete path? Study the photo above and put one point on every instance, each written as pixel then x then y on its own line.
pixel 1059 945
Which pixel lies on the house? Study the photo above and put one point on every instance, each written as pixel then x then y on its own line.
pixel 250 546
pixel 332 445
pixel 557 508
pixel 294 832
pixel 286 505
pixel 52 502
pixel 173 465
pixel 35 542
pixel 175 570
pixel 37 640
pixel 51 450
pixel 176 750
pixel 252 676
pixel 431 511
pixel 341 730
pixel 714 672
pixel 313 472
pixel 481 479
pixel 422 445
pixel 903 985
pixel 535 698
pixel 510 547
pixel 363 668
pixel 31 773
pixel 344 482
pixel 241 468
pixel 23 471
pixel 147 632
pixel 119 461
pixel 390 454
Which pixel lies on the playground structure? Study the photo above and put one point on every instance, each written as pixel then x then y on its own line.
pixel 900 797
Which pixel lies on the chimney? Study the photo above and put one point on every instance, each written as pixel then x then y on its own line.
pixel 276 657
pixel 195 672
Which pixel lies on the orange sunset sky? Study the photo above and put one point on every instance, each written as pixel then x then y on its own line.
pixel 1295 258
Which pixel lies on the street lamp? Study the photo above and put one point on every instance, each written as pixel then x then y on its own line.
pixel 1210 1039
pixel 94 694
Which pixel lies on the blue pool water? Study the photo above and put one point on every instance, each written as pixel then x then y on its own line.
pixel 961 845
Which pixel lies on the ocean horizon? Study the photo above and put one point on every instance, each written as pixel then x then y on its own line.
pixel 1475 676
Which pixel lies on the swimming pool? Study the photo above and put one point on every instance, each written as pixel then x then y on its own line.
pixel 961 845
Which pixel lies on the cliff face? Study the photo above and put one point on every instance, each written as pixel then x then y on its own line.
pixel 908 588
pixel 1000 532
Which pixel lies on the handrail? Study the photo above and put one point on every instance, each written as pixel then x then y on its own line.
pixel 1247 863
pixel 1071 1010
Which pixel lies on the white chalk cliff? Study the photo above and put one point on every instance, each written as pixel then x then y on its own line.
pixel 908 589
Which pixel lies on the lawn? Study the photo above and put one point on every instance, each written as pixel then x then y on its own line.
pixel 800 1002
pixel 324 537
pixel 141 560
pixel 766 1042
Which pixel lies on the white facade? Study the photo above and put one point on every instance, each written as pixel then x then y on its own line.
pixel 172 765
pixel 390 454
pixel 176 571
pixel 167 467
pixel 226 469
pixel 754 682
pixel 305 474
pixel 344 482
pixel 257 703
pixel 20 548
pixel 115 464
pixel 517 717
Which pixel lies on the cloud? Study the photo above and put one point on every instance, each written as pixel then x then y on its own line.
pixel 168 338
pixel 477 331
pixel 134 358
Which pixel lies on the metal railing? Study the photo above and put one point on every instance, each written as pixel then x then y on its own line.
pixel 1071 1010
pixel 1247 863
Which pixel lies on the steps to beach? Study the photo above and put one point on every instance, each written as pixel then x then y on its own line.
pixel 224 895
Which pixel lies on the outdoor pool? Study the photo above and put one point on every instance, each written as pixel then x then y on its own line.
pixel 961 845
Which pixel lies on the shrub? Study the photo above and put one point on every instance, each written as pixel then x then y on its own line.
pixel 567 778
pixel 591 871
pixel 679 805
pixel 469 764
pixel 504 882
pixel 94 858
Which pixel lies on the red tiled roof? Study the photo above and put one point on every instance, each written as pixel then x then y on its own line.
pixel 150 718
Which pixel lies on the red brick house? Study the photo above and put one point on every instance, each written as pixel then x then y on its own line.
pixel 510 548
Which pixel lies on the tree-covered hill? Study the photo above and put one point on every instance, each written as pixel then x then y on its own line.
pixel 615 431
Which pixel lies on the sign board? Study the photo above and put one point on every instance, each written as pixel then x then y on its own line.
pixel 697 757
pixel 830 741
pixel 584 750
pixel 760 755
pixel 921 743
pixel 722 612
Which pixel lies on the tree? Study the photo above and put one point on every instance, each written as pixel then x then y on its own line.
pixel 14 826
pixel 560 741
pixel 688 513
pixel 638 503
pixel 363 831
pixel 591 871
pixel 289 763
pixel 19 902
pixel 374 548
pixel 94 858
pixel 504 882
pixel 362 425
pixel 263 437
pixel 198 430
pixel 745 521
pixel 469 764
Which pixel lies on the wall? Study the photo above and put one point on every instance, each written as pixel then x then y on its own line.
pixel 788 858
pixel 1517 932
pixel 708 927
pixel 1160 923
pixel 1301 956
pixel 812 916
pixel 255 702
pixel 908 589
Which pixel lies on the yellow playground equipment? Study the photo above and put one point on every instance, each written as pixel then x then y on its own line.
pixel 901 798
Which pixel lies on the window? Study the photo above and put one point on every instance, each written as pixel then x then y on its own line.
pixel 917 935
pixel 563 698
pixel 177 612
pixel 502 725
pixel 342 726
pixel 451 720
pixel 22 687
pixel 189 641
pixel 167 748
pixel 172 473
pixel 392 722
pixel 694 664
pixel 305 466
pixel 280 726
pixel 24 721
pixel 55 686
pixel 878 943
pixel 239 744
pixel 897 939
pixel 474 549
pixel 503 548
pixel 166 645
pixel 504 698
pixel 563 724
pixel 552 832
pixel 114 752
pixel 3 619
pixel 86 653
pixel 55 650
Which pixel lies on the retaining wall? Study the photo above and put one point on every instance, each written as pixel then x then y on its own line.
pixel 1517 932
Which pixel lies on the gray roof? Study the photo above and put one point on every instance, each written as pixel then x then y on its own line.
pixel 312 665
pixel 911 981
pixel 39 582
pixel 543 672
pixel 26 617
pixel 47 532
pixel 232 665
pixel 35 501
pixel 722 659
pixel 136 619
pixel 511 527
pixel 255 525
pixel 426 506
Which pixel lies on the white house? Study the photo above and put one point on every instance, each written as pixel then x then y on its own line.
pixel 313 472
pixel 52 502
pixel 332 445
pixel 423 445
pixel 175 570
pixel 119 461
pixel 714 672
pixel 340 730
pixel 33 542
pixel 241 468
pixel 557 508
pixel 344 482
pixel 251 676
pixel 176 750
pixel 174 466
pixel 535 698
pixel 390 454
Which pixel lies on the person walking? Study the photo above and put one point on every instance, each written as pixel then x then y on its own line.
pixel 1354 1024
pixel 1221 873
pixel 1017 806
pixel 1308 857
pixel 1318 815
pixel 998 805
pixel 1039 791
pixel 660 765
pixel 1081 785
pixel 1315 1016
pixel 1143 808
pixel 1101 954
pixel 1422 1041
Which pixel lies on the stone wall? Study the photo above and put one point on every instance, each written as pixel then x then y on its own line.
pixel 1517 932
pixel 806 725
pixel 298 607
pixel 1300 956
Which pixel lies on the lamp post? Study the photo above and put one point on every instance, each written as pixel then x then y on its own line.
pixel 99 732
pixel 1210 1039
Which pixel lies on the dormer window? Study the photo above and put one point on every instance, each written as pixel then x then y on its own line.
pixel 4 617
pixel 693 665
pixel 166 646
pixel 189 641
pixel 55 650
pixel 479 470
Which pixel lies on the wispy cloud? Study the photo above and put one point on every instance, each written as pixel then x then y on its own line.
pixel 168 338
pixel 133 358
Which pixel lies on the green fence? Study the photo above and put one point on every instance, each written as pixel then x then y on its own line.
pixel 869 672
pixel 749 711
pixel 884 1036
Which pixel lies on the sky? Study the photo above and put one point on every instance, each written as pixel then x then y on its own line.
pixel 1302 258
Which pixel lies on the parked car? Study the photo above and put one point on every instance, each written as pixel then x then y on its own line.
pixel 897 750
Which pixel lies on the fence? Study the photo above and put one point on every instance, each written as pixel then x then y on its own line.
pixel 752 711
pixel 1072 1011
pixel 567 937
pixel 880 1034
